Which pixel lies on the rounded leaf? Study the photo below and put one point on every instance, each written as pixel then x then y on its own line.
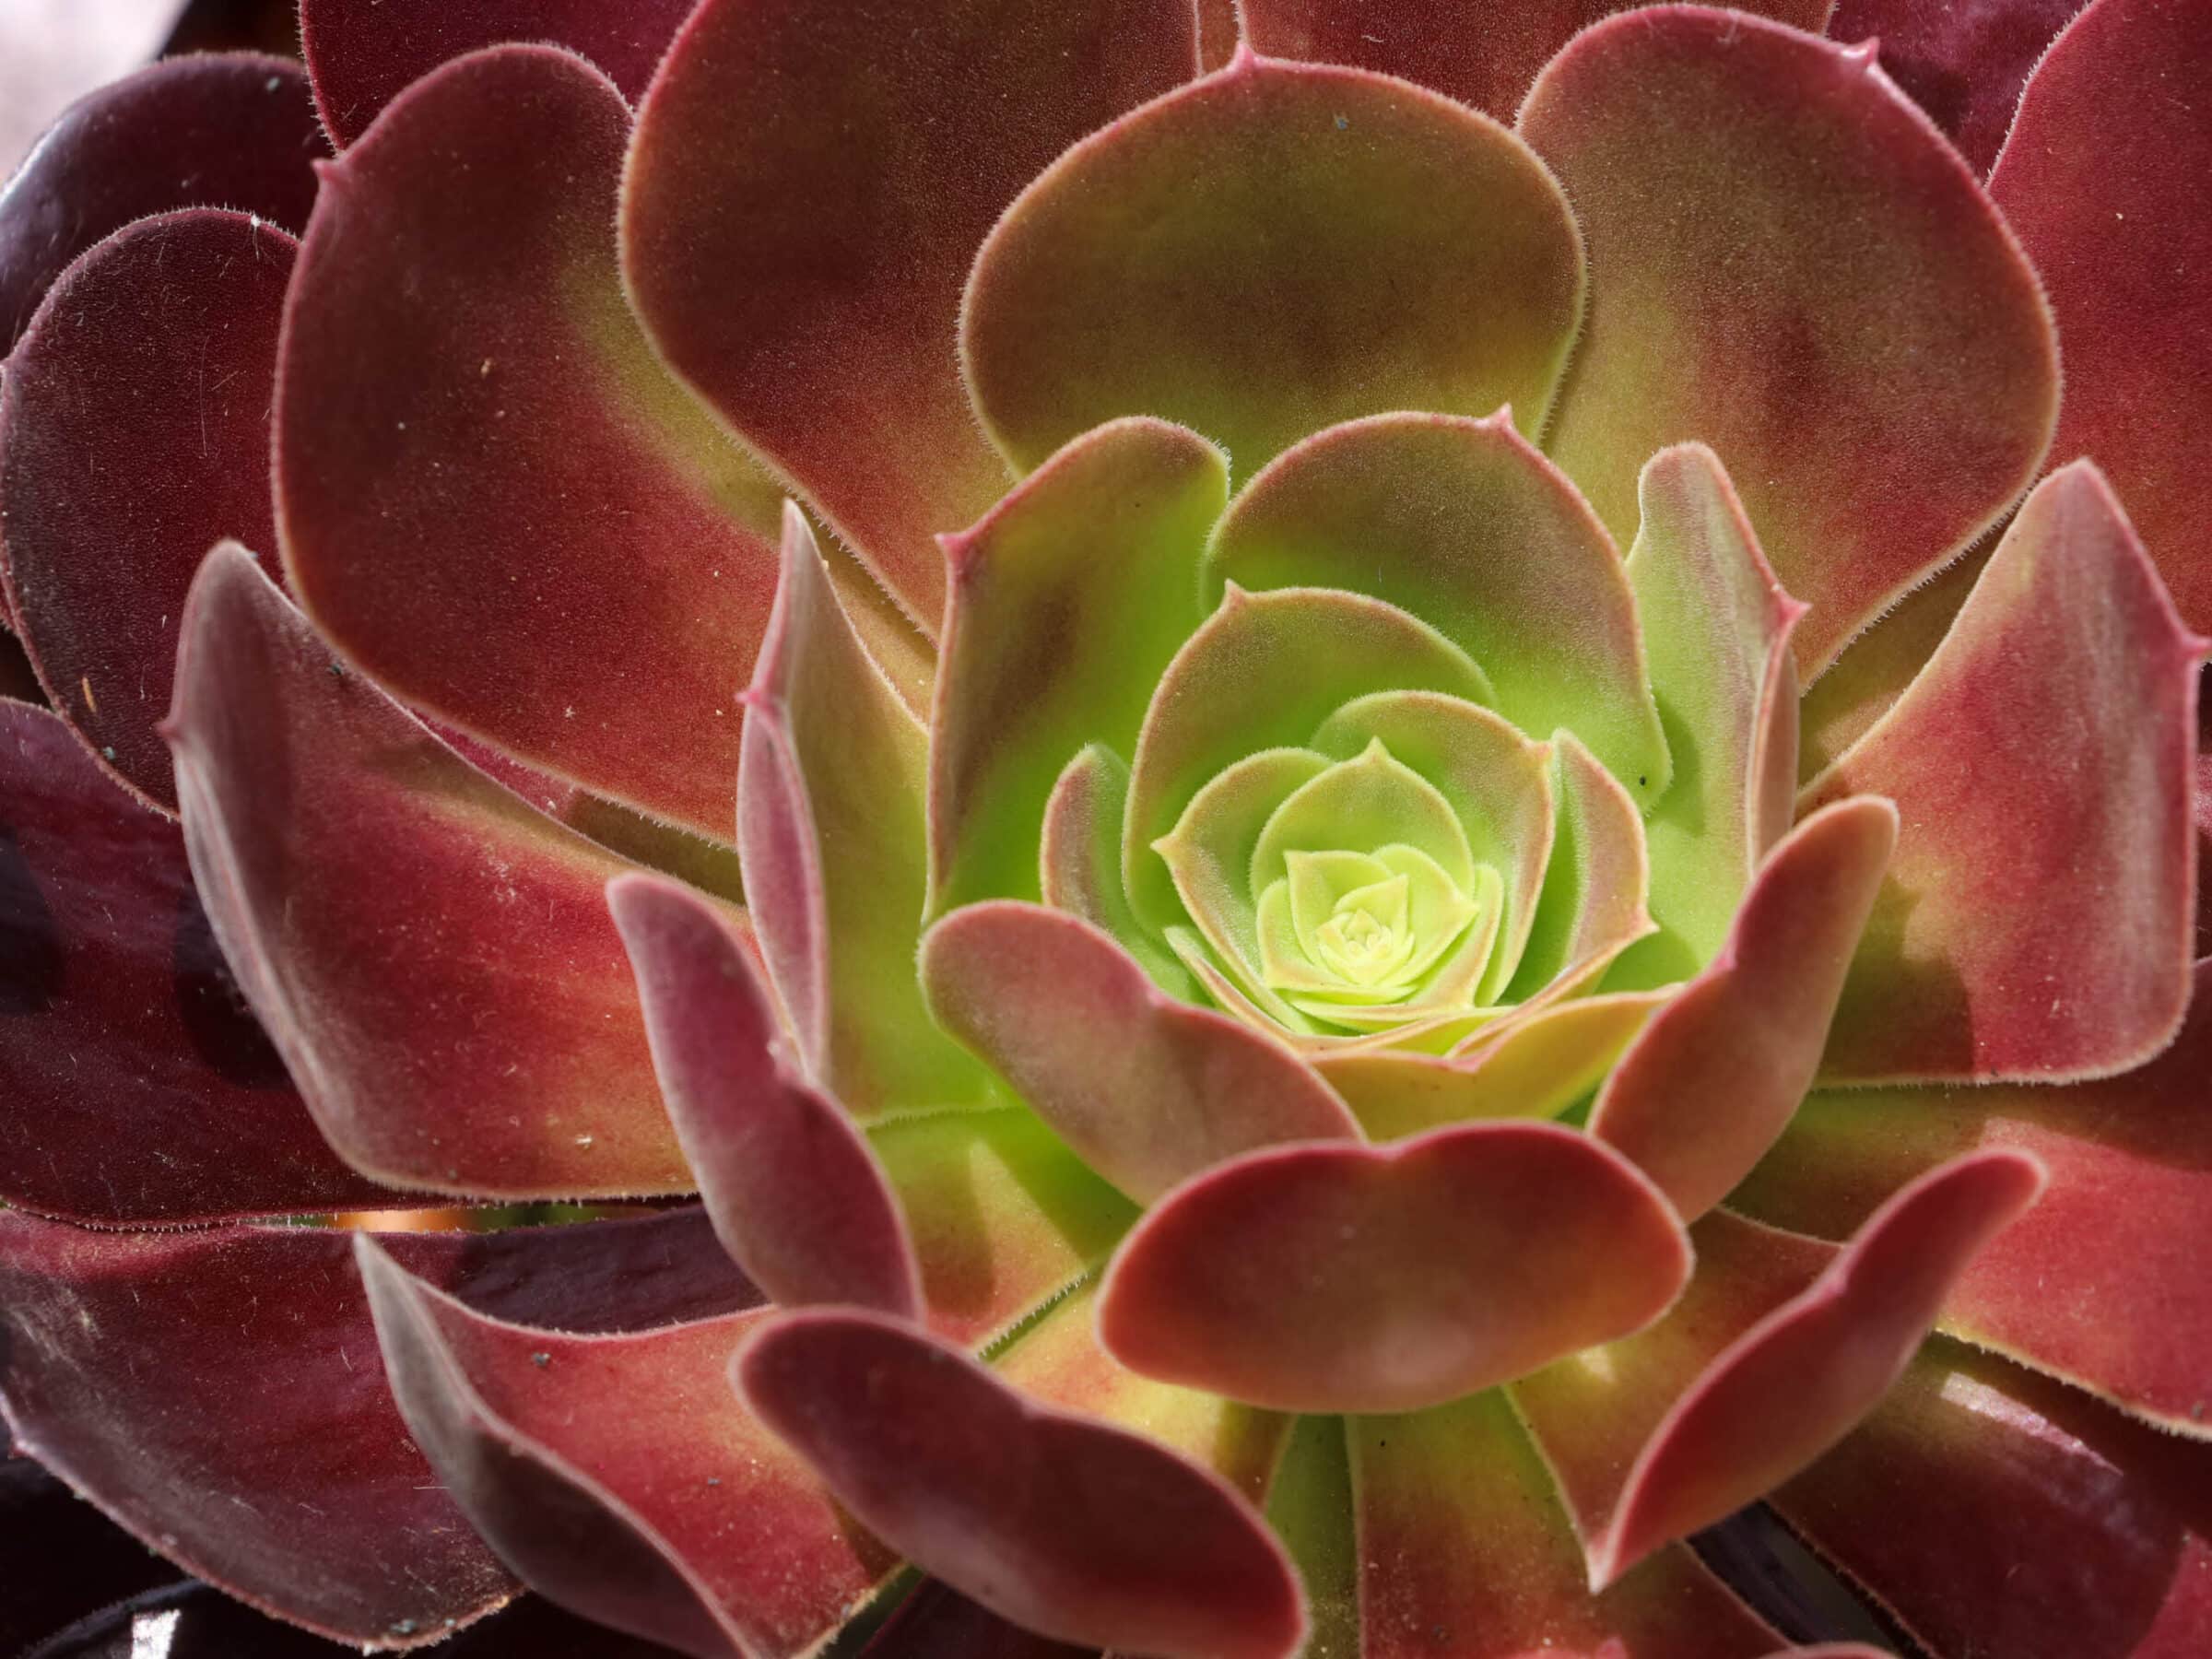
pixel 1270 251
pixel 1327 1277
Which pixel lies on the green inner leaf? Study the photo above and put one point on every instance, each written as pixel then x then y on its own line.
pixel 1362 804
pixel 1451 985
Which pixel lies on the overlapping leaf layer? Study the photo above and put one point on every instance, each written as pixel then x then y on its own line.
pixel 1358 782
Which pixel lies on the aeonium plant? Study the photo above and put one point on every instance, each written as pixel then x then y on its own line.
pixel 1382 803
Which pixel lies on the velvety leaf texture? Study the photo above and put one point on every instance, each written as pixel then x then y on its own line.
pixel 97 407
pixel 729 1545
pixel 489 494
pixel 2037 923
pixel 118 1003
pixel 2102 176
pixel 1092 829
pixel 1880 375
pixel 801 269
pixel 1078 1529
pixel 278 1463
pixel 363 56
pixel 1482 52
pixel 327 829
pixel 1265 306
pixel 230 130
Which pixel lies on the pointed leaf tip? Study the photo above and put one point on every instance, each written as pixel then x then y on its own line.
pixel 795 1195
pixel 1879 367
pixel 2100 1284
pixel 615 1476
pixel 487 488
pixel 2102 176
pixel 1067 602
pixel 1710 1084
pixel 2038 920
pixel 1797 1382
pixel 802 270
pixel 831 782
pixel 1066 1524
pixel 1963 65
pixel 1462 524
pixel 329 834
pixel 1717 625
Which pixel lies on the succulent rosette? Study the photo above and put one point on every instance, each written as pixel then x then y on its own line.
pixel 1344 809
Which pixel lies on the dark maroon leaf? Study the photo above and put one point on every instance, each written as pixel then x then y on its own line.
pixel 1962 60
pixel 134 1084
pixel 222 130
pixel 134 436
pixel 221 1395
pixel 362 54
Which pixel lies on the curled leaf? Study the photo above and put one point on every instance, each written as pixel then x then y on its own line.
pixel 1066 1524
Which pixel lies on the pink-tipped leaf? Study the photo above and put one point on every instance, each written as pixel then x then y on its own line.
pixel 797 1199
pixel 2098 1283
pixel 1067 601
pixel 1591 1413
pixel 489 492
pixel 831 831
pixel 1716 626
pixel 1712 1081
pixel 1865 683
pixel 1346 1278
pixel 1148 1089
pixel 1797 1382
pixel 2039 919
pixel 1876 365
pixel 1064 1524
